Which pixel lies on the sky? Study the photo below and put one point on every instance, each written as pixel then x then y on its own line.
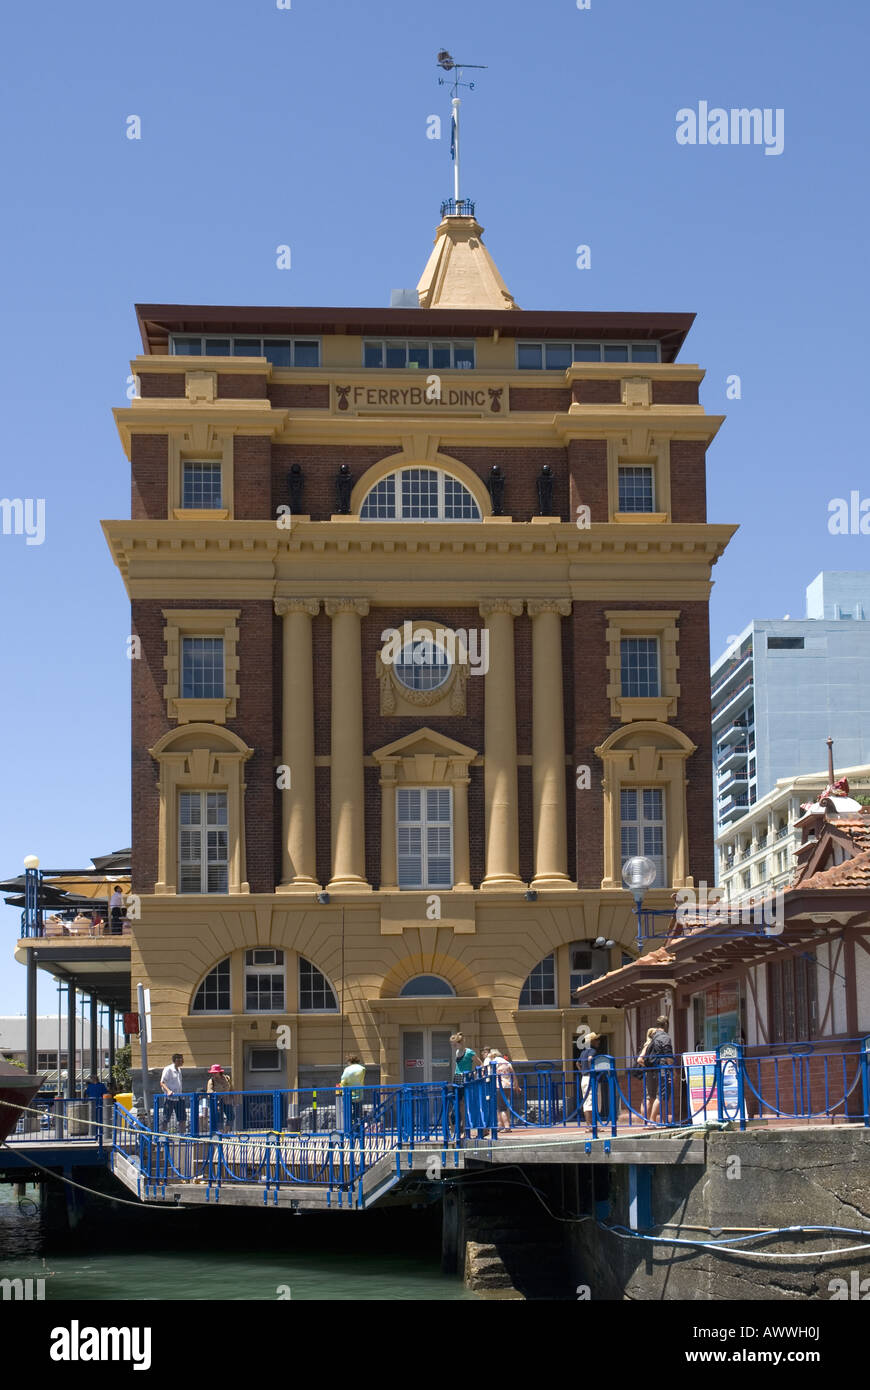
pixel 266 123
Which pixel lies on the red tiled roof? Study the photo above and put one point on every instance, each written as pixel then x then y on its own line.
pixel 852 873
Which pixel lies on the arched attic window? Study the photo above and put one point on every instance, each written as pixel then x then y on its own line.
pixel 419 494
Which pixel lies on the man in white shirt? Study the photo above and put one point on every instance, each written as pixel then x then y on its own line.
pixel 172 1086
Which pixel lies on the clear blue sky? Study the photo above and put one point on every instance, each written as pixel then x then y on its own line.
pixel 307 126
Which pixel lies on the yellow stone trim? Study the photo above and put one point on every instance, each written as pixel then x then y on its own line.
pixel 646 754
pixel 196 426
pixel 444 702
pixel 201 514
pixel 639 447
pixel 200 757
pixel 627 622
pixel 202 442
pixel 425 758
pixel 200 622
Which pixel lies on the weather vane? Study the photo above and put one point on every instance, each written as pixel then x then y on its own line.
pixel 450 65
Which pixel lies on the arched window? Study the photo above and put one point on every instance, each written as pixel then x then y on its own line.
pixel 213 995
pixel 539 990
pixel 422 985
pixel 419 494
pixel 316 994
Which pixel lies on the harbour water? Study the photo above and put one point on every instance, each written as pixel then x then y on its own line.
pixel 334 1257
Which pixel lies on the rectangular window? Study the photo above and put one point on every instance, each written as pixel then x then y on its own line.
pixel 373 354
pixel 559 355
pixel 530 356
pixel 642 818
pixel 398 353
pixel 424 832
pixel 281 352
pixel 636 491
pixel 264 981
pixel 793 999
pixel 639 667
pixel 203 843
pixel 202 668
pixel 201 487
pixel 785 644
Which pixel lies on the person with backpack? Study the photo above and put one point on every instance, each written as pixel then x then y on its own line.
pixel 661 1056
pixel 646 1078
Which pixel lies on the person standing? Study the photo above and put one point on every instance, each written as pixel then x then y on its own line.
pixel 172 1086
pixel 465 1059
pixel 662 1059
pixel 585 1063
pixel 504 1075
pixel 219 1085
pixel 353 1076
pixel 116 907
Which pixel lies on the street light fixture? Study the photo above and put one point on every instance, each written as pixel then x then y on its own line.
pixel 638 874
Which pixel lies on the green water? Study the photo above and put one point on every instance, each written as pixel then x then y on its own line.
pixel 306 1258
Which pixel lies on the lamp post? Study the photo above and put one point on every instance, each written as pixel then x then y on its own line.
pixel 32 926
pixel 32 911
pixel 639 874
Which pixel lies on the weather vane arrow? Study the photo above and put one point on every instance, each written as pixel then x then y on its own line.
pixel 449 64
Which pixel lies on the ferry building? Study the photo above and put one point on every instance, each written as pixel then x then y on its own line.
pixel 421 596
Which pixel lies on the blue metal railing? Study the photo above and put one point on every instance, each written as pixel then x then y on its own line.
pixel 332 1141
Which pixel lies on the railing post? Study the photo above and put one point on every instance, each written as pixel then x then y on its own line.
pixel 277 1122
pixel 865 1080
pixel 729 1058
pixel 193 1128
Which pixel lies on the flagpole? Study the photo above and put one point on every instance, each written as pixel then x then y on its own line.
pixel 456 105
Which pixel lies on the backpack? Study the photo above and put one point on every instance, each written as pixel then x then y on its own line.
pixel 660 1050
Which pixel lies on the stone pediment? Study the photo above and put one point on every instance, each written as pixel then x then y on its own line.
pixel 425 744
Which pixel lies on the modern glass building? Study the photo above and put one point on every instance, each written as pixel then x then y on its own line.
pixel 784 686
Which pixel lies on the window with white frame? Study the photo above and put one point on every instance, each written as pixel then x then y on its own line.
pixel 557 356
pixel 213 995
pixel 419 494
pixel 639 666
pixel 642 823
pixel 409 352
pixel 423 665
pixel 539 990
pixel 203 843
pixel 636 488
pixel 202 668
pixel 424 837
pixel 201 487
pixel 281 352
pixel 264 981
pixel 316 994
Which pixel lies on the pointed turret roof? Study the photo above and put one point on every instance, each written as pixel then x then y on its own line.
pixel 460 273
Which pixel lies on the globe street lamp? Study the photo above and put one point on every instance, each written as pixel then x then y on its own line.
pixel 638 874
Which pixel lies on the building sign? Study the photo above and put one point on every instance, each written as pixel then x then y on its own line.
pixel 431 393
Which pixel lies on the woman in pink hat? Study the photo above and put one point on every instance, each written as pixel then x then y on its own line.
pixel 219 1084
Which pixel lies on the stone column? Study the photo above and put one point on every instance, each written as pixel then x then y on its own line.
pixel 548 744
pixel 347 785
pixel 389 865
pixel 461 846
pixel 500 757
pixel 298 825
